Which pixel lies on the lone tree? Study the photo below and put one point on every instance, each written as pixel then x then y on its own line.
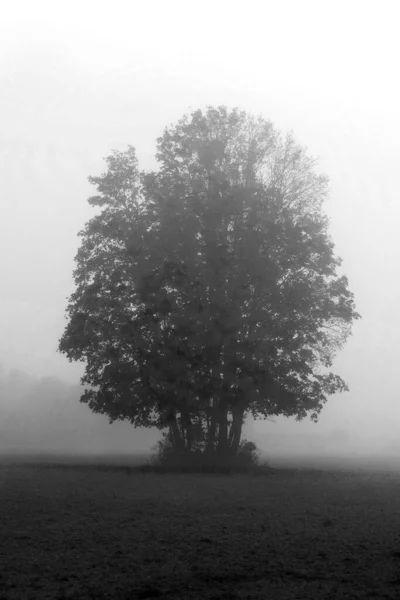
pixel 209 289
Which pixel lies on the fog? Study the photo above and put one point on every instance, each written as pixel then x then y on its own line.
pixel 75 85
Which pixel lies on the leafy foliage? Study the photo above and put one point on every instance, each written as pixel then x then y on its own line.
pixel 209 289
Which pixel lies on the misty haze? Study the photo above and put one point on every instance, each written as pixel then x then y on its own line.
pixel 199 267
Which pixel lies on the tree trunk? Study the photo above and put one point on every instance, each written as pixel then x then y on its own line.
pixel 236 429
pixel 223 447
pixel 177 440
pixel 231 432
pixel 187 426
pixel 212 430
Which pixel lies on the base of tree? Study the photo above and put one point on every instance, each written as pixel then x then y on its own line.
pixel 167 459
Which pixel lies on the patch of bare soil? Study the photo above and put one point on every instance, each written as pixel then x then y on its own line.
pixel 88 534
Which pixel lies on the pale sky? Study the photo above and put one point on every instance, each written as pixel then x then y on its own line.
pixel 78 79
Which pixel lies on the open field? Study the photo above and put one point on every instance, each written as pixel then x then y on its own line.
pixel 91 533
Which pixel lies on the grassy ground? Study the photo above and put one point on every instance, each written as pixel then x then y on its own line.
pixel 92 533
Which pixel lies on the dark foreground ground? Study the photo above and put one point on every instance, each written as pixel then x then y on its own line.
pixel 83 533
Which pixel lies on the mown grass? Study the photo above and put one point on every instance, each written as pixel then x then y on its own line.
pixel 103 531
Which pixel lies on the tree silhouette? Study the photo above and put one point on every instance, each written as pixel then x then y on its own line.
pixel 209 289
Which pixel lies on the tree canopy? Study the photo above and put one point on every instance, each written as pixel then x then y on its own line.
pixel 209 289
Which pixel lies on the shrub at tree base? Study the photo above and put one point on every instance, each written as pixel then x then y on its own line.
pixel 166 458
